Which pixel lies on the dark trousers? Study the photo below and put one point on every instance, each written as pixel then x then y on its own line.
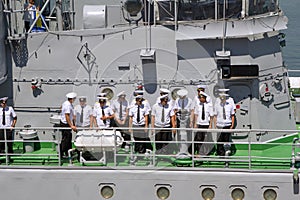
pixel 9 136
pixel 141 135
pixel 163 135
pixel 199 137
pixel 222 137
pixel 66 140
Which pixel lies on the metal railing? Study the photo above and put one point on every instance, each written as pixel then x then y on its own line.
pixel 249 158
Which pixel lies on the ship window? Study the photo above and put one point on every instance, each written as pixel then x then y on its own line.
pixel 239 71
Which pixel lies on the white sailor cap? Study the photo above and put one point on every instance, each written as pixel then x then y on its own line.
pixel 182 92
pixel 201 86
pixel 82 98
pixel 164 90
pixel 3 99
pixel 102 99
pixel 121 94
pixel 139 96
pixel 223 90
pixel 101 94
pixel 71 95
pixel 163 96
pixel 203 94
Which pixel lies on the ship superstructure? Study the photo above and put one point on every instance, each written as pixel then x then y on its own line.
pixel 109 46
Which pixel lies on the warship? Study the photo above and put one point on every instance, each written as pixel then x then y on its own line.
pixel 108 46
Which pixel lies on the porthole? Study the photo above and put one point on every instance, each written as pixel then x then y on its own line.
pixel 107 192
pixel 109 93
pixel 208 194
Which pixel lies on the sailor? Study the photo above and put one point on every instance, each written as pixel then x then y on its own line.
pixel 228 98
pixel 165 91
pixel 196 101
pixel 8 120
pixel 83 113
pixel 103 114
pixel 182 103
pixel 202 88
pixel 120 108
pixel 67 120
pixel 138 118
pixel 101 94
pixel 163 117
pixel 203 119
pixel 145 102
pixel 223 119
pixel 97 104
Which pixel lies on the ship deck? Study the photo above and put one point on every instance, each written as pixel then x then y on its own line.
pixel 280 154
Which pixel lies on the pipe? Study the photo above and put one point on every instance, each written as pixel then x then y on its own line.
pixel 293 153
pixel 70 156
pixel 227 147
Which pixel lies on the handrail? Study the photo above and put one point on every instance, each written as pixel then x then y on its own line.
pixel 252 159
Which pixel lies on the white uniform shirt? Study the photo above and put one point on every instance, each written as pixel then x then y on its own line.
pixel 187 104
pixel 116 108
pixel 87 112
pixel 143 112
pixel 66 108
pixel 9 116
pixel 157 113
pixel 208 112
pixel 144 102
pixel 98 114
pixel 229 111
pixel 228 99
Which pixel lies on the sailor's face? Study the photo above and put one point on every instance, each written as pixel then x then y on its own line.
pixel 102 103
pixel 122 97
pixel 3 104
pixel 82 103
pixel 72 100
pixel 202 99
pixel 139 101
pixel 223 99
pixel 164 101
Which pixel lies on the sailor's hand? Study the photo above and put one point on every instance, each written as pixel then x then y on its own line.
pixel 152 132
pixel 74 128
pixel 103 118
pixel 191 125
pixel 174 132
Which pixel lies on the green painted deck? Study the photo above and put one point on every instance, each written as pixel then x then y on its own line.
pixel 267 156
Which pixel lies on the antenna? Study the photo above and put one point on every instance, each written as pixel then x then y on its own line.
pixel 223 53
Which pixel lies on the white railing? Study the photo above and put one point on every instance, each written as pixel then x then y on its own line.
pixel 52 135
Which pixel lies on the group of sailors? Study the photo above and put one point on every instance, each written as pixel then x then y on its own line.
pixel 163 117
